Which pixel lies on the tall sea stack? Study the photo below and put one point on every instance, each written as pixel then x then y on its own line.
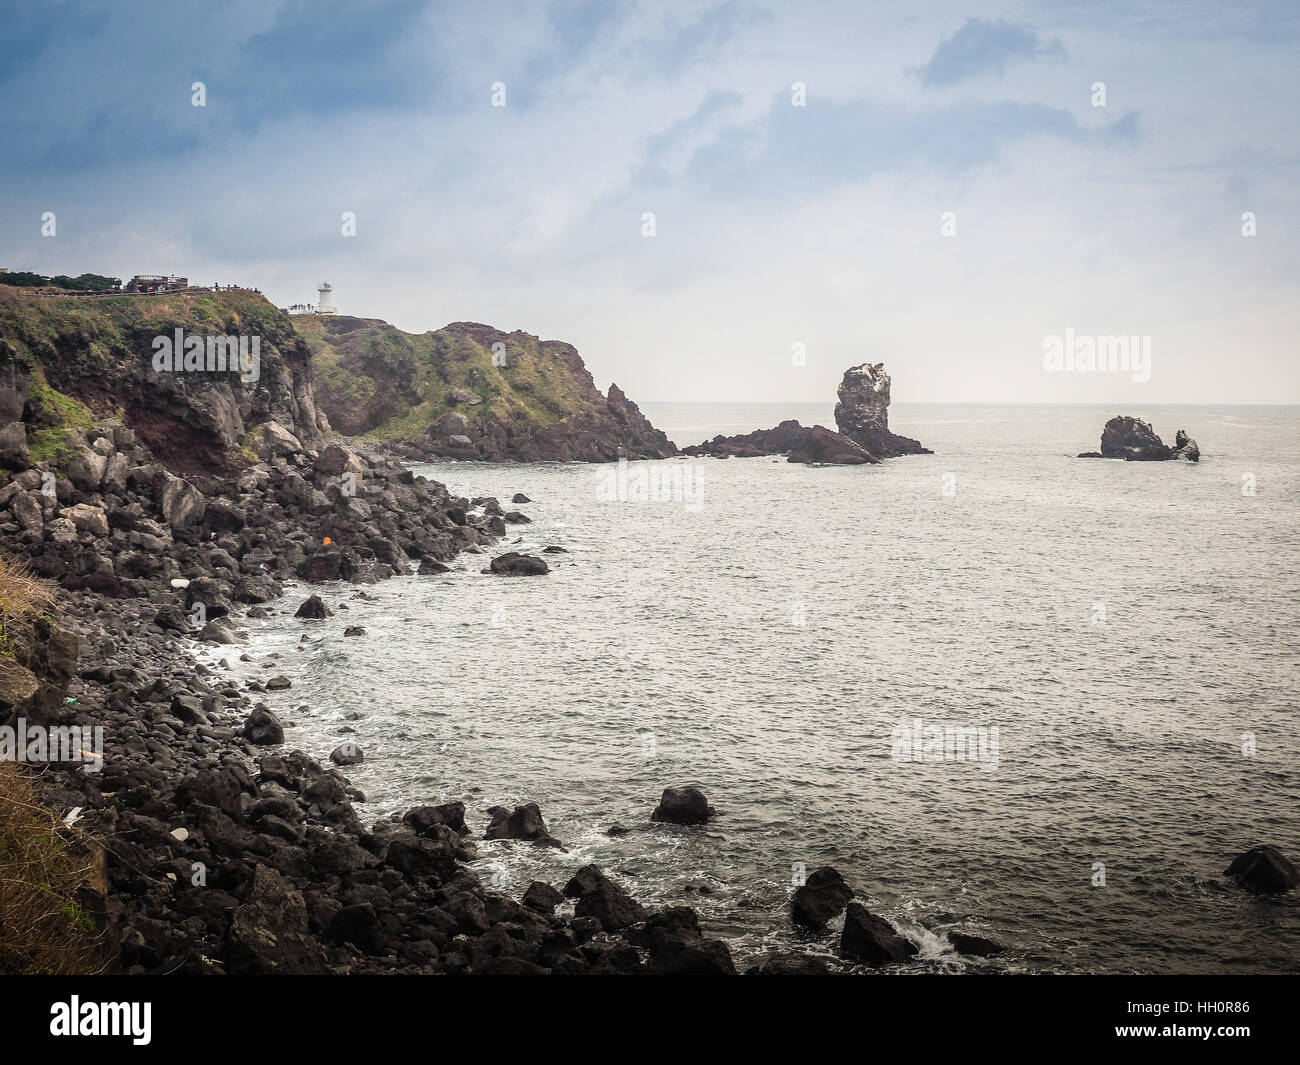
pixel 862 414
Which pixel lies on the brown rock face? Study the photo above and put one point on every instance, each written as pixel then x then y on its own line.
pixel 862 413
pixel 821 446
pixel 1131 439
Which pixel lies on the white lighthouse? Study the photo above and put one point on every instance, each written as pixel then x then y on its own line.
pixel 324 305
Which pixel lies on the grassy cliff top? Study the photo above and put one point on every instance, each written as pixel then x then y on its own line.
pixel 373 378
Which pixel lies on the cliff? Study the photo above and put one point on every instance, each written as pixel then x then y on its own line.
pixel 469 391
pixel 66 361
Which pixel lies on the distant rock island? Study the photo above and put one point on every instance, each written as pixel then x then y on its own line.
pixel 862 415
pixel 1133 440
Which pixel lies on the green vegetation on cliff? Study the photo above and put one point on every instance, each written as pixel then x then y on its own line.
pixel 373 378
pixel 67 361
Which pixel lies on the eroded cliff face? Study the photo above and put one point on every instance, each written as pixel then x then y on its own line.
pixel 862 413
pixel 470 391
pixel 67 361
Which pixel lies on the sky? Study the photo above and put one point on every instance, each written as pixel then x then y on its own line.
pixel 712 201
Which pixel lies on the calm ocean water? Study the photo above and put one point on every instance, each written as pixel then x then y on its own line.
pixel 1127 628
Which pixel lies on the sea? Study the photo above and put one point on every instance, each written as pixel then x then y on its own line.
pixel 1003 690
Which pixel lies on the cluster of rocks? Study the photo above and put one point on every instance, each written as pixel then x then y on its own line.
pixel 118 523
pixel 862 415
pixel 866 938
pixel 1131 439
pixel 612 428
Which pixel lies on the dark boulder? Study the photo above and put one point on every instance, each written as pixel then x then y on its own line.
pixel 820 446
pixel 519 497
pixel 677 948
pixel 524 822
pixel 359 925
pixel 820 899
pixel 541 897
pixel 513 564
pixel 794 965
pixel 263 727
pixel 603 900
pixel 314 609
pixel 1264 869
pixel 424 818
pixel 975 946
pixel 871 939
pixel 683 806
pixel 269 931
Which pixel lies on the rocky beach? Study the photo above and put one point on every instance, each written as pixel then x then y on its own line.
pixel 210 846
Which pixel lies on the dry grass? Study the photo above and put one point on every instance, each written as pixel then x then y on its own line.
pixel 42 865
pixel 22 594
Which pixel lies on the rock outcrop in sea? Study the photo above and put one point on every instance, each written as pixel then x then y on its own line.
pixel 862 415
pixel 1129 438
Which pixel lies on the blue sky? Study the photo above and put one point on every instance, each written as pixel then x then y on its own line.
pixel 775 224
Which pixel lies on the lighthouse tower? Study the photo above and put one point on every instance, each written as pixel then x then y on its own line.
pixel 324 305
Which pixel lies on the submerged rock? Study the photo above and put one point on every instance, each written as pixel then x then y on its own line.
pixel 974 946
pixel 1264 869
pixel 513 564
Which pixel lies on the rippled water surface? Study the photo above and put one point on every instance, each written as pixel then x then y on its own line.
pixel 1126 627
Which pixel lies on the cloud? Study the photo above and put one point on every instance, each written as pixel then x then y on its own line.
pixel 982 47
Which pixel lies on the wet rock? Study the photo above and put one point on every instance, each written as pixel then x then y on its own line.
pixel 542 897
pixel 603 900
pixel 683 806
pixel 354 630
pixel 975 946
pixel 424 818
pixel 677 948
pixel 278 684
pixel 820 899
pixel 263 728
pixel 524 822
pixel 872 940
pixel 513 564
pixel 347 754
pixel 519 497
pixel 432 565
pixel 314 609
pixel 1265 870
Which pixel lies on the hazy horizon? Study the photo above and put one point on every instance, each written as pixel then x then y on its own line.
pixel 944 192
